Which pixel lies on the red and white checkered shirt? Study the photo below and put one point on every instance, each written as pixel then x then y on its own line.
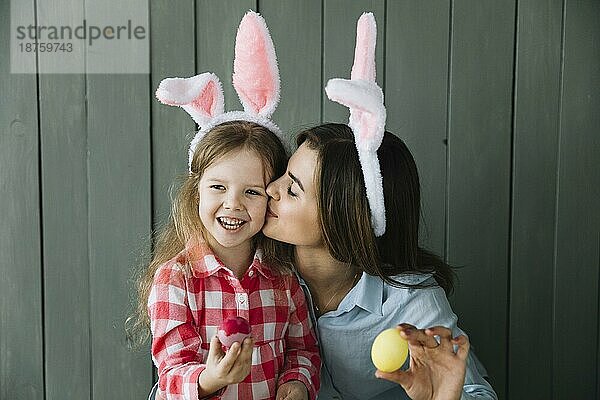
pixel 186 309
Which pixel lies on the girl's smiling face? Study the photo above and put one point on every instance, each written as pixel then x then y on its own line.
pixel 233 200
pixel 292 215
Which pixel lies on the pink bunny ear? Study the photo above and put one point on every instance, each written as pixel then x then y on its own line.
pixel 255 72
pixel 201 96
pixel 364 52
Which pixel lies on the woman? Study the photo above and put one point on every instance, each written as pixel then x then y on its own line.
pixel 360 284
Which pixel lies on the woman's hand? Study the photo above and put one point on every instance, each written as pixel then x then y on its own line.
pixel 224 369
pixel 292 390
pixel 436 372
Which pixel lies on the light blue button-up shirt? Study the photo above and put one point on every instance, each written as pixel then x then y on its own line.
pixel 346 335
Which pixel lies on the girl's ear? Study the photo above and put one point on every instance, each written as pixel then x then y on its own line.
pixel 201 96
pixel 255 71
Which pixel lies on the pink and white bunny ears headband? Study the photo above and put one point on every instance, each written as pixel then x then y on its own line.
pixel 367 114
pixel 255 79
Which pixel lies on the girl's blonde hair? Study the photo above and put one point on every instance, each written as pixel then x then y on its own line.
pixel 184 222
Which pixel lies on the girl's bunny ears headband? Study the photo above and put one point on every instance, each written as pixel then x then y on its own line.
pixel 367 114
pixel 255 79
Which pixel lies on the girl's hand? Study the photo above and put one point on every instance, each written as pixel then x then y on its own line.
pixel 436 372
pixel 223 369
pixel 292 390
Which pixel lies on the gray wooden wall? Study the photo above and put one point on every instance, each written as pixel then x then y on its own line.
pixel 498 100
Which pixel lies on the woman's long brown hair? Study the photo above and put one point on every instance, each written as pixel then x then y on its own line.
pixel 344 211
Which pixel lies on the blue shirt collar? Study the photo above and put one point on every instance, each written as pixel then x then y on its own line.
pixel 366 294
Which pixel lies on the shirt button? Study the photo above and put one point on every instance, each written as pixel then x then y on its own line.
pixel 241 298
pixel 251 273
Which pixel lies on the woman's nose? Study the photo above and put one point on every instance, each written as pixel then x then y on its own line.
pixel 273 190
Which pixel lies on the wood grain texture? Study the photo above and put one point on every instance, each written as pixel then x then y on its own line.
pixel 535 148
pixel 119 225
pixel 577 219
pixel 172 55
pixel 416 86
pixel 63 142
pixel 479 140
pixel 21 318
pixel 119 212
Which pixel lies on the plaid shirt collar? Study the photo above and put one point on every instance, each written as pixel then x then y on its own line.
pixel 204 262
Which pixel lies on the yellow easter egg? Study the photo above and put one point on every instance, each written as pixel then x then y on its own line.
pixel 389 350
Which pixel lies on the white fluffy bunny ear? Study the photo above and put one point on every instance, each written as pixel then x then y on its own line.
pixel 201 96
pixel 364 98
pixel 255 71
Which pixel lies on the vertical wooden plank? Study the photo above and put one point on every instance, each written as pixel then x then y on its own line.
pixel 216 28
pixel 172 55
pixel 63 141
pixel 119 216
pixel 479 173
pixel 535 144
pixel 296 31
pixel 339 33
pixel 416 86
pixel 578 220
pixel 21 341
pixel 119 223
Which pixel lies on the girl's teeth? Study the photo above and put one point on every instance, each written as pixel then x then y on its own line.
pixel 231 223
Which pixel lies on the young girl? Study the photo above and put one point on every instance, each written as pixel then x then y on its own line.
pixel 212 262
pixel 220 272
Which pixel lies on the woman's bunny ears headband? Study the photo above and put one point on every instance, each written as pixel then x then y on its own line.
pixel 367 114
pixel 255 79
